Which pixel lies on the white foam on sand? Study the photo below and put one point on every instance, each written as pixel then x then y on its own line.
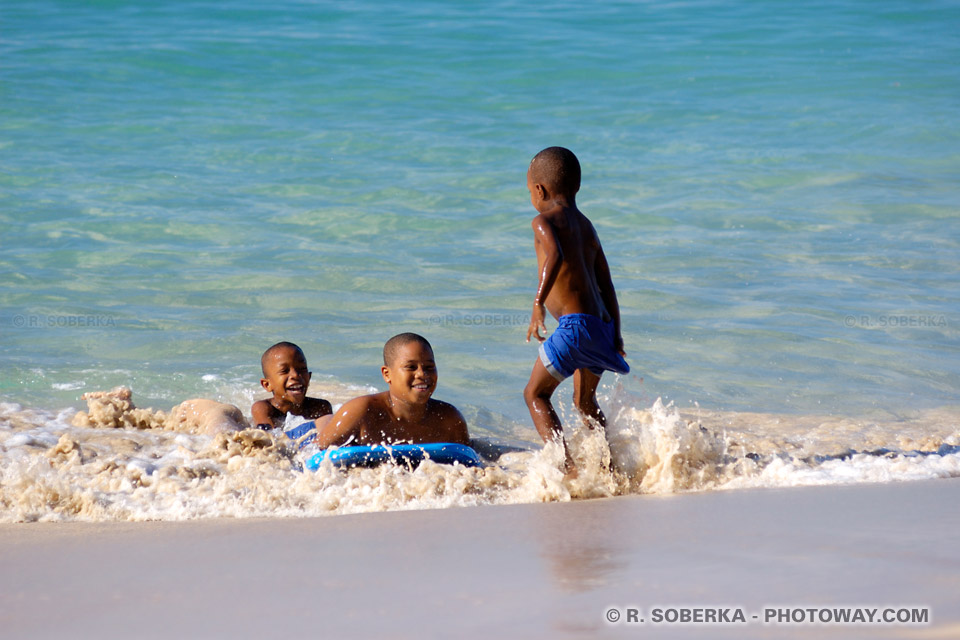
pixel 120 462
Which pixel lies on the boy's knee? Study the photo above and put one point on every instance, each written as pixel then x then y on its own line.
pixel 528 394
pixel 531 394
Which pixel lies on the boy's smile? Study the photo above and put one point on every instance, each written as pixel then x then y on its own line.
pixel 296 388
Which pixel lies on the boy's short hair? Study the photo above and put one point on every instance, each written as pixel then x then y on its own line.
pixel 280 345
pixel 393 345
pixel 557 167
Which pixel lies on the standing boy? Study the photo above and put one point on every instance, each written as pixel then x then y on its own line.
pixel 575 286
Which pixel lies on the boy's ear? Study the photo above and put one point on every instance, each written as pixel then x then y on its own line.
pixel 385 372
pixel 541 191
pixel 265 384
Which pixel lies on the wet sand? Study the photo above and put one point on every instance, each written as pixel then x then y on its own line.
pixel 518 571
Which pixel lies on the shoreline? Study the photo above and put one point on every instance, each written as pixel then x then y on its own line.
pixel 540 570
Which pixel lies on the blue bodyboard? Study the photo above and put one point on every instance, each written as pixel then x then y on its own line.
pixel 413 454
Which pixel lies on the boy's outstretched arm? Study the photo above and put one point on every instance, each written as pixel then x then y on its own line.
pixel 609 296
pixel 344 427
pixel 547 246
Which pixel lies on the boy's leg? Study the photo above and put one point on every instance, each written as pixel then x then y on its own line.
pixel 585 396
pixel 537 395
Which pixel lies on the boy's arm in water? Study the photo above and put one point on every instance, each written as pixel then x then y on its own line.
pixel 550 256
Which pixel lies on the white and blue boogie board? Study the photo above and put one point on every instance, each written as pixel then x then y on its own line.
pixel 409 454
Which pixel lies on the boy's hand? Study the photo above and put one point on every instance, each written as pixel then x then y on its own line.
pixel 618 345
pixel 536 323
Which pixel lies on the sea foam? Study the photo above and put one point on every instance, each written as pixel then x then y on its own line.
pixel 119 462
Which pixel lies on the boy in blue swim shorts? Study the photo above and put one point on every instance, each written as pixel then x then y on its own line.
pixel 575 286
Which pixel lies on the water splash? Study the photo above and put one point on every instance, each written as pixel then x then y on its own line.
pixel 118 462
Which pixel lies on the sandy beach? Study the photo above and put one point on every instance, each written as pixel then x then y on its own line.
pixel 531 571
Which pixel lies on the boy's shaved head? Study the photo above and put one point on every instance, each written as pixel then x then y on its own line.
pixel 280 345
pixel 396 342
pixel 558 169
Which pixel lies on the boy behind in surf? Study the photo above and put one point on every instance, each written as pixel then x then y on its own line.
pixel 405 412
pixel 286 376
pixel 575 286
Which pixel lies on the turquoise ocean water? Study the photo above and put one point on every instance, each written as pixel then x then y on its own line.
pixel 777 187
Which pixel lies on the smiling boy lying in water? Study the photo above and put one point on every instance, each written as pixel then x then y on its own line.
pixel 287 377
pixel 405 412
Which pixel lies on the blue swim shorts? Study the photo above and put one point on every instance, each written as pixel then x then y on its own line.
pixel 302 434
pixel 582 341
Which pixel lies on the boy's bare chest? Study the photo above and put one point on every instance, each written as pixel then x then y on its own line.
pixel 387 427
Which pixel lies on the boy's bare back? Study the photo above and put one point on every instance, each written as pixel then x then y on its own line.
pixel 573 270
pixel 569 233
